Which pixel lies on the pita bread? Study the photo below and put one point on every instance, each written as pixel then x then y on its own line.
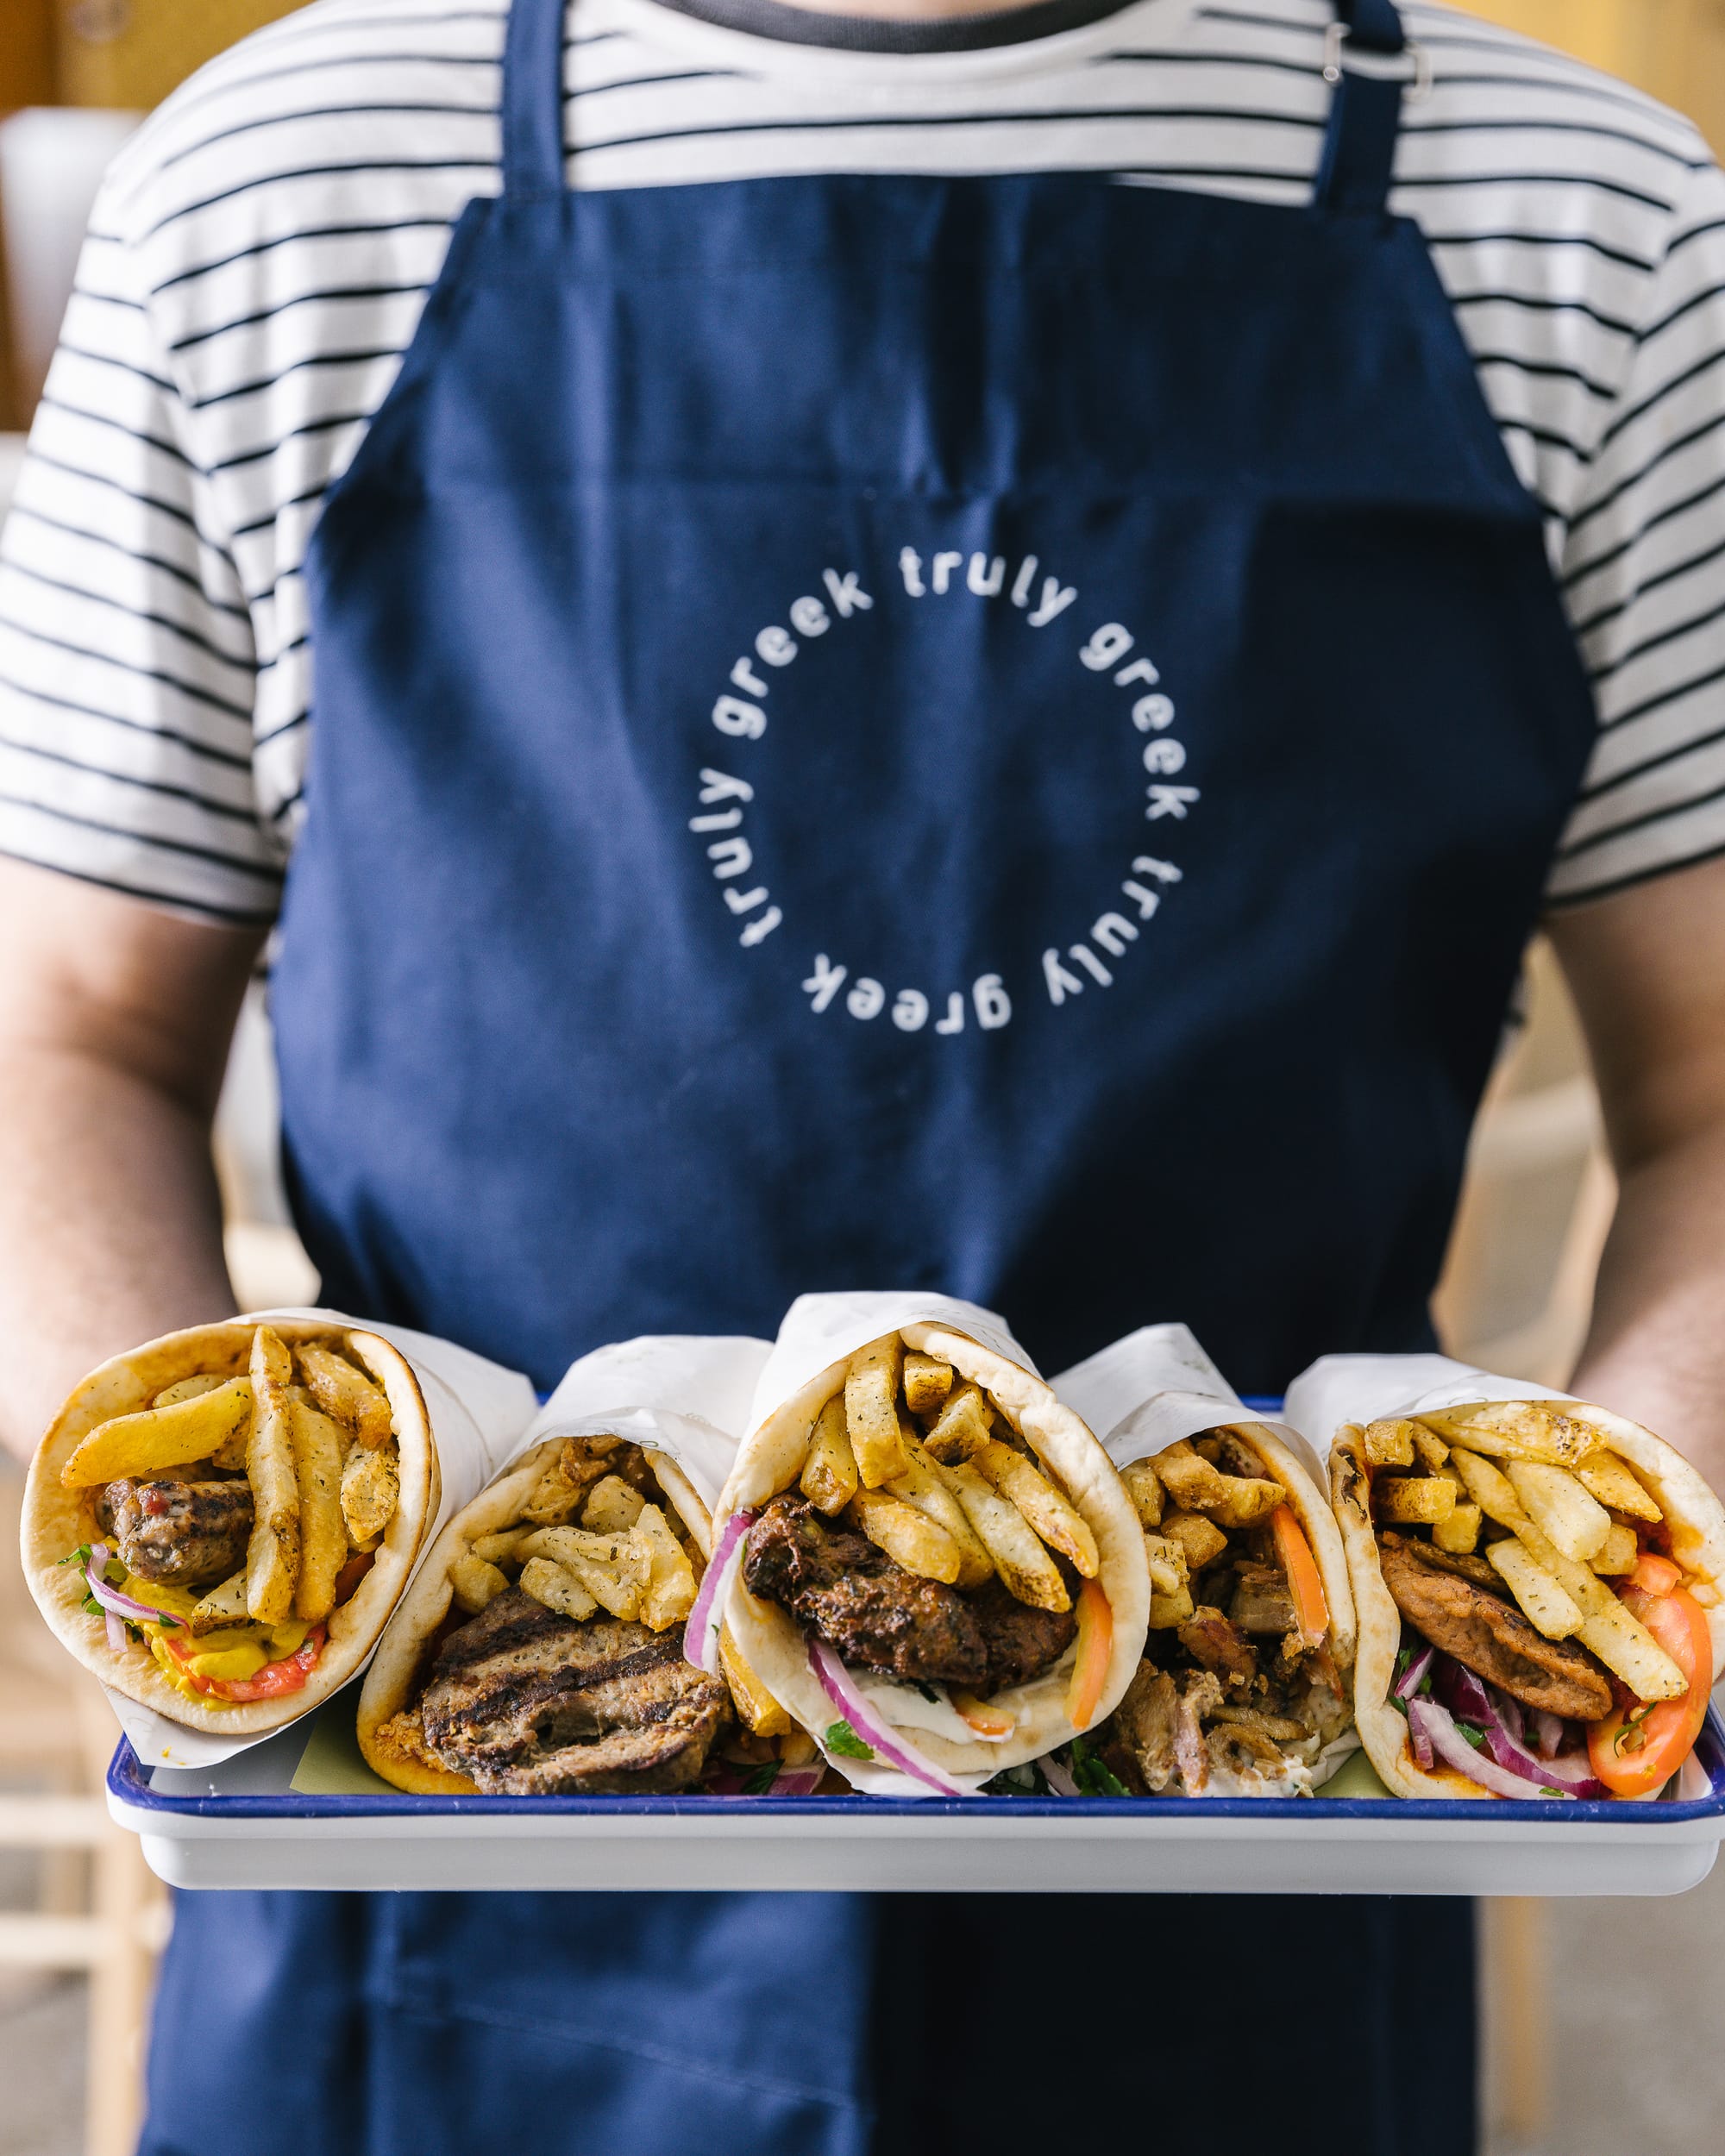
pixel 1693 1514
pixel 57 1521
pixel 392 1682
pixel 771 1459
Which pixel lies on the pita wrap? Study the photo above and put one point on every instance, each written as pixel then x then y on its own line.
pixel 820 1342
pixel 1411 1389
pixel 57 1520
pixel 667 1395
pixel 1153 1392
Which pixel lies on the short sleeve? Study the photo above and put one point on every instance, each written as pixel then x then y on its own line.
pixel 1644 578
pixel 127 662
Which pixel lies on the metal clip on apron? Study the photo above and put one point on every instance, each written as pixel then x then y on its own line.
pixel 1001 732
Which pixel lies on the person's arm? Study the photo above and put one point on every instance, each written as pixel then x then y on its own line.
pixel 115 1022
pixel 1648 969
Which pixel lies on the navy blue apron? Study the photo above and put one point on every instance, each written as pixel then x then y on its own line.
pixel 1003 734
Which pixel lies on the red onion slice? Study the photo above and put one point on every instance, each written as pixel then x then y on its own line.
pixel 1574 1776
pixel 1437 1724
pixel 1414 1675
pixel 1057 1778
pixel 706 1616
pixel 116 1604
pixel 1548 1732
pixel 836 1682
pixel 796 1781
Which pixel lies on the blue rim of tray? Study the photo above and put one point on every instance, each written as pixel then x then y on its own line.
pixel 128 1781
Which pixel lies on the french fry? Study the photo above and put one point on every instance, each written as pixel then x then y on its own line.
pixel 1429 1447
pixel 612 1569
pixel 910 1538
pixel 1144 1487
pixel 927 1383
pixel 669 1594
pixel 1168 1610
pixel 1233 1501
pixel 1613 1484
pixel 578 1464
pixel 1389 1443
pixel 754 1703
pixel 925 1485
pixel 871 1412
pixel 345 1393
pixel 502 1547
pixel 222 1605
pixel 1061 1526
pixel 549 1583
pixel 613 1507
pixel 1412 1500
pixel 1629 1650
pixel 1515 1429
pixel 370 1485
pixel 1619 1553
pixel 962 1425
pixel 317 1443
pixel 1200 1539
pixel 1574 1519
pixel 190 1389
pixel 156 1439
pixel 272 1553
pixel 829 1477
pixel 1031 1574
pixel 1495 1495
pixel 475 1583
pixel 1167 1562
pixel 1548 1608
pixel 1459 1533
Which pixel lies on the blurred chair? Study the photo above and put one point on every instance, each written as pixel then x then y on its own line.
pixel 99 1912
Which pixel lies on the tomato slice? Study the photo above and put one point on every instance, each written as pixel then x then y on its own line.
pixel 1305 1583
pixel 1095 1646
pixel 1654 1574
pixel 275 1678
pixel 1635 1751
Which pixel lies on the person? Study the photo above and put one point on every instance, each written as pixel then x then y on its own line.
pixel 882 645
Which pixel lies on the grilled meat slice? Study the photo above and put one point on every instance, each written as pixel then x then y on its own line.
pixel 1262 1603
pixel 1496 1642
pixel 191 1533
pixel 878 1616
pixel 1211 1640
pixel 873 1614
pixel 1142 1729
pixel 532 1704
pixel 1021 1642
pixel 1462 1568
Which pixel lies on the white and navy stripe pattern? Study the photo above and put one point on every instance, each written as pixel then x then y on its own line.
pixel 262 249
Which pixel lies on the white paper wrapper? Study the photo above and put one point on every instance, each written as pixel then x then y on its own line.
pixel 1339 1388
pixel 478 1411
pixel 821 1331
pixel 1154 1388
pixel 1158 1386
pixel 682 1393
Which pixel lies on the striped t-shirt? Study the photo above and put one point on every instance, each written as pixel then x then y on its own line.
pixel 262 248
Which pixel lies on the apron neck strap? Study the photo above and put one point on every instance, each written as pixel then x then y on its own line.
pixel 533 100
pixel 1366 113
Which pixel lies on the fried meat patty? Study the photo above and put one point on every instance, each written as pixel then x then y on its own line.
pixel 191 1533
pixel 1485 1635
pixel 876 1616
pixel 529 1703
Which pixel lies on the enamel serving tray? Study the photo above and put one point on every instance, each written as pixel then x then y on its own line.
pixel 240 1825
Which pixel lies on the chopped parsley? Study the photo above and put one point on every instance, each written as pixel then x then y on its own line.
pixel 80 1556
pixel 1473 1732
pixel 1093 1777
pixel 761 1780
pixel 927 1691
pixel 842 1739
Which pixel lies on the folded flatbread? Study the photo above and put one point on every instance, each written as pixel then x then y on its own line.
pixel 277 1521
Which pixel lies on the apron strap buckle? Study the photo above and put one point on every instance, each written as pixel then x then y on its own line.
pixel 1421 74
